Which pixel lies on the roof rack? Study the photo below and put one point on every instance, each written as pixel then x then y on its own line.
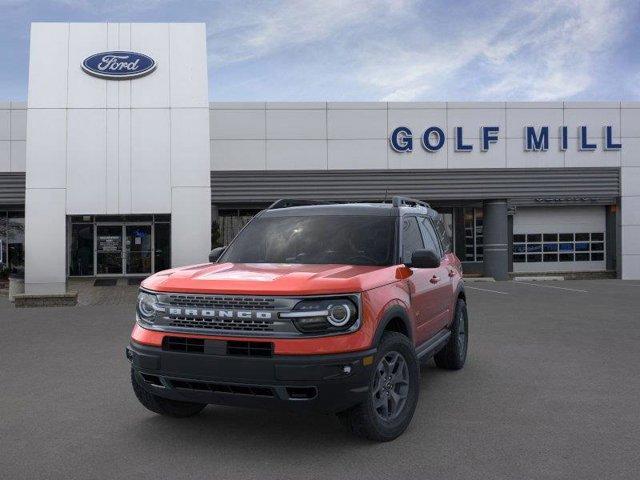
pixel 289 202
pixel 398 201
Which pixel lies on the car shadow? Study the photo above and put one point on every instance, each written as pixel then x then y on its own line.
pixel 264 429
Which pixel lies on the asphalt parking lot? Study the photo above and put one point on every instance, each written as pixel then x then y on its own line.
pixel 551 391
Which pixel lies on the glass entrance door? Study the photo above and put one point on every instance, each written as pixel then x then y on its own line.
pixel 116 245
pixel 138 250
pixel 109 250
pixel 124 249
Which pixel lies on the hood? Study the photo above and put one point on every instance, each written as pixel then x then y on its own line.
pixel 270 279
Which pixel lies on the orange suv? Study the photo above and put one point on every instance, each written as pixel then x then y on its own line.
pixel 325 307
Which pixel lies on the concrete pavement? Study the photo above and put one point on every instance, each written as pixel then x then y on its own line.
pixel 551 391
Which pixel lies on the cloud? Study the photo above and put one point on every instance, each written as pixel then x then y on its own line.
pixel 556 57
pixel 260 29
pixel 547 50
pixel 408 50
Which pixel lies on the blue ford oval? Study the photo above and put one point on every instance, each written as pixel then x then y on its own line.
pixel 118 65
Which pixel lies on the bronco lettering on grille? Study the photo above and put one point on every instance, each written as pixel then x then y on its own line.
pixel 215 313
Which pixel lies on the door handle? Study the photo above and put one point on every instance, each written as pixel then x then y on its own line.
pixel 434 279
pixel 452 272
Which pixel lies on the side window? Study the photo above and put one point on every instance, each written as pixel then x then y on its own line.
pixel 430 239
pixel 411 238
pixel 443 233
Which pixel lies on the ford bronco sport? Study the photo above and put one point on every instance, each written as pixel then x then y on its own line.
pixel 325 307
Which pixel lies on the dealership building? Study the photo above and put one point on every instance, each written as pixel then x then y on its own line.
pixel 118 165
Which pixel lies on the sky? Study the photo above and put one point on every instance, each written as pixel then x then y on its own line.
pixel 377 50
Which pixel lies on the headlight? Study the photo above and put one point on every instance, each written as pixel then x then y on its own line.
pixel 324 315
pixel 147 306
pixel 340 314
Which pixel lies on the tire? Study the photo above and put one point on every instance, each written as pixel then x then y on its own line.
pixel 368 420
pixel 164 406
pixel 454 353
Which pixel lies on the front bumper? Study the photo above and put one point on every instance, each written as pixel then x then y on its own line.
pixel 323 383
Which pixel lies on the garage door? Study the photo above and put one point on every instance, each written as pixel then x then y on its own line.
pixel 559 239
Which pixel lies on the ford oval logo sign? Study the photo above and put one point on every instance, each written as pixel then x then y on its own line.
pixel 118 65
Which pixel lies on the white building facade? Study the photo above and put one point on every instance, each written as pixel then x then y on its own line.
pixel 127 176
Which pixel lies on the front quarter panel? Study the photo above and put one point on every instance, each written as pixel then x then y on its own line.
pixel 387 302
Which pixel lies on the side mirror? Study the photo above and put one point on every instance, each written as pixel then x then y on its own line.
pixel 216 253
pixel 425 259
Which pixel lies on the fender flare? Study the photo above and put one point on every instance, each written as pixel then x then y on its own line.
pixel 395 311
pixel 459 291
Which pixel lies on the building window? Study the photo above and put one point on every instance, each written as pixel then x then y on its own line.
pixel 81 250
pixel 11 243
pixel 162 245
pixel 558 247
pixel 473 239
pixel 4 267
pixel 228 224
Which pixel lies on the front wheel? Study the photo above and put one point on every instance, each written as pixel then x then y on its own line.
pixel 393 392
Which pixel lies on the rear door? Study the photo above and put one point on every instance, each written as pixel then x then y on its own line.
pixel 420 286
pixel 442 288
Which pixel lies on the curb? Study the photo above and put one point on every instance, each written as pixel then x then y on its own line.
pixel 538 279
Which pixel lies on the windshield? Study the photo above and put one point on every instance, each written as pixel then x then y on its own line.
pixel 349 240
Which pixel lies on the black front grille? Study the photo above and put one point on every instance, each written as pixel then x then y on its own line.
pixel 183 344
pixel 230 315
pixel 222 302
pixel 217 347
pixel 250 349
pixel 254 390
pixel 223 324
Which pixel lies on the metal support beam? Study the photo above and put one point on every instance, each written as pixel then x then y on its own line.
pixel 496 240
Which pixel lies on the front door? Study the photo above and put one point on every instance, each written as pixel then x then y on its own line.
pixel 124 249
pixel 138 250
pixel 420 287
pixel 109 250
